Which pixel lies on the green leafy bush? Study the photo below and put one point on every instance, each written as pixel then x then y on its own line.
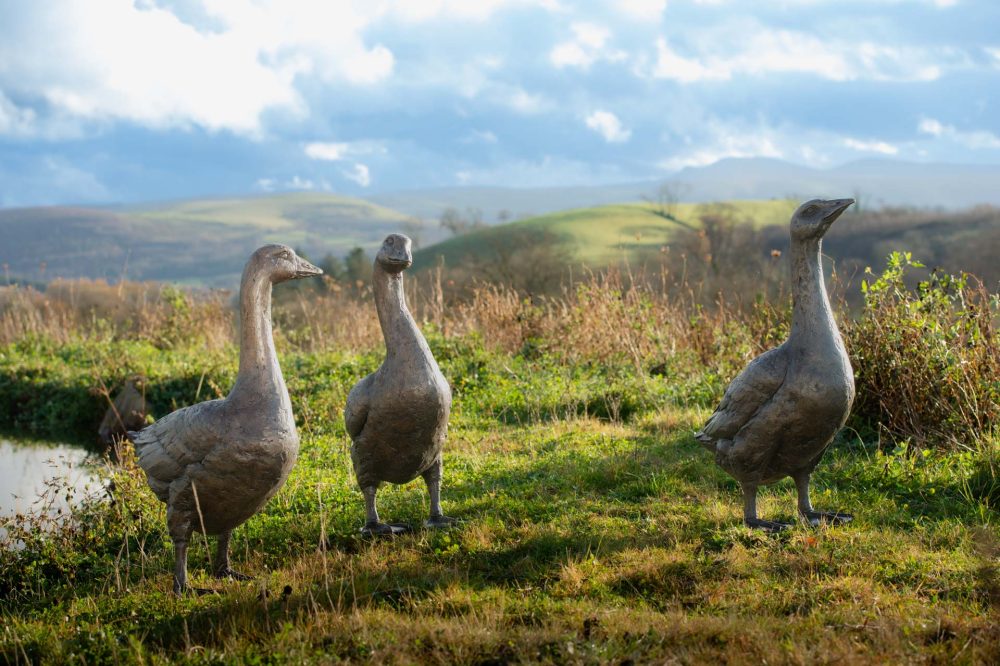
pixel 926 359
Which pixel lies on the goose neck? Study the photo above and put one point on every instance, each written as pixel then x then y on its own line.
pixel 260 373
pixel 811 312
pixel 398 328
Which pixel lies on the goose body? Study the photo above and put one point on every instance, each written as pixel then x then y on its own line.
pixel 397 417
pixel 216 463
pixel 777 418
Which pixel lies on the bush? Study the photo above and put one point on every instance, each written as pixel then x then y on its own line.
pixel 926 359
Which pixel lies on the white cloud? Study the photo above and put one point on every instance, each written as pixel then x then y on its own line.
pixel 975 139
pixel 466 10
pixel 337 151
pixel 294 183
pixel 14 120
pixel 641 9
pixel 359 174
pixel 480 136
pixel 607 125
pixel 586 47
pixel 297 183
pixel 871 146
pixel 120 60
pixel 670 65
pixel 521 100
pixel 266 184
pixel 760 51
pixel 722 141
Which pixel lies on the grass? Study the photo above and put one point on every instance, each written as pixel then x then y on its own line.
pixel 584 539
pixel 595 529
pixel 601 236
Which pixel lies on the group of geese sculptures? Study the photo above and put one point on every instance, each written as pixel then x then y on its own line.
pixel 216 463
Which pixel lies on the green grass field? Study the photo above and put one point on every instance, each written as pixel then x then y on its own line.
pixel 601 236
pixel 595 530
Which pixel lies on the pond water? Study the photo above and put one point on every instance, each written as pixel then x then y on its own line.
pixel 28 468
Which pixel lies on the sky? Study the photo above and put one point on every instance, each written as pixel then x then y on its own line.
pixel 105 101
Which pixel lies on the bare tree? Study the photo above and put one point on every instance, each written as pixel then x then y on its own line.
pixel 664 203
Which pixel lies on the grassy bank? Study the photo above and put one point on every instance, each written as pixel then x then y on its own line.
pixel 595 529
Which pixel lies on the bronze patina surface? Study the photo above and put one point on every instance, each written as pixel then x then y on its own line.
pixel 780 414
pixel 397 417
pixel 216 463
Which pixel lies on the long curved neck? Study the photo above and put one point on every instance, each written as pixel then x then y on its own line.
pixel 812 316
pixel 398 328
pixel 260 374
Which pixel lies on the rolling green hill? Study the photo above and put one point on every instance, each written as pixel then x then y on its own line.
pixel 201 242
pixel 594 237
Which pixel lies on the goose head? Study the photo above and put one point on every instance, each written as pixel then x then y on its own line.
pixel 813 218
pixel 395 256
pixel 280 264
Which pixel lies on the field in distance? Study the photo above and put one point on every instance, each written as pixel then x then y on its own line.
pixel 202 242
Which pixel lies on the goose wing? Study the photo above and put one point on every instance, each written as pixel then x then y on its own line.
pixel 745 396
pixel 356 409
pixel 179 439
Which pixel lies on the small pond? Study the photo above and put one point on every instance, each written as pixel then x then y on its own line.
pixel 27 469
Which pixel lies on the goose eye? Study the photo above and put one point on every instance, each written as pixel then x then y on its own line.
pixel 388 241
pixel 811 210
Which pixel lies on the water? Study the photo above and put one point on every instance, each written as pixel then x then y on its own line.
pixel 26 468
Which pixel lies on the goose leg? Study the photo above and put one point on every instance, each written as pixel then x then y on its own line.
pixel 180 566
pixel 750 518
pixel 222 568
pixel 806 510
pixel 432 477
pixel 374 527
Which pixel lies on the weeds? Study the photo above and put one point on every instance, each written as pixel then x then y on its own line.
pixel 927 359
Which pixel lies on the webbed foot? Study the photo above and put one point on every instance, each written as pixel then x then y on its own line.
pixel 770 526
pixel 440 521
pixel 385 529
pixel 814 518
pixel 226 572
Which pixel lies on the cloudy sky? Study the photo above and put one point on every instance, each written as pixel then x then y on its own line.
pixel 130 100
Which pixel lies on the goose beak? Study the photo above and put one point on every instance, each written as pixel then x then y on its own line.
pixel 837 206
pixel 304 269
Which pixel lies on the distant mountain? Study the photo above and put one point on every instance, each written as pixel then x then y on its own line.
pixel 517 203
pixel 875 183
pixel 203 242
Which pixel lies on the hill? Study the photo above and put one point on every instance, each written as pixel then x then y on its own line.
pixel 713 245
pixel 199 242
pixel 875 183
pixel 593 237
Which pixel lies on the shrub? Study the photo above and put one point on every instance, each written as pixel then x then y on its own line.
pixel 926 359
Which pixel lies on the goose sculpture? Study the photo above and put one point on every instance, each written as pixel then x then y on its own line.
pixel 216 463
pixel 397 417
pixel 778 416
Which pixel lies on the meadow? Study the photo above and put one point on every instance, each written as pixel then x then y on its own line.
pixel 594 528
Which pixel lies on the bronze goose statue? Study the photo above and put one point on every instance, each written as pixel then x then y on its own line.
pixel 216 463
pixel 778 416
pixel 397 417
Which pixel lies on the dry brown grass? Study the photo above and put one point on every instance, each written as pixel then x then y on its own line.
pixel 73 309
